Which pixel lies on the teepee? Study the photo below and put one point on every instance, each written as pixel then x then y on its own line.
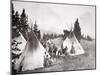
pixel 33 54
pixel 72 45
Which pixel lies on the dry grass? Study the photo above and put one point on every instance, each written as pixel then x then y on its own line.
pixel 85 61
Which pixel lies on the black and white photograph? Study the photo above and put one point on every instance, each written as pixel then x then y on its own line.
pixel 52 37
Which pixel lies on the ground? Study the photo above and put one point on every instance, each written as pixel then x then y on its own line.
pixel 84 61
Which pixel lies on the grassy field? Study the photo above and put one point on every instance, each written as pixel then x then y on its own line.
pixel 80 62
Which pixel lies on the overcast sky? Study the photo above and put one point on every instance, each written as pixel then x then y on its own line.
pixel 56 17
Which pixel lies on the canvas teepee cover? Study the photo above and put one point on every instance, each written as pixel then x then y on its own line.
pixel 19 46
pixel 72 44
pixel 33 54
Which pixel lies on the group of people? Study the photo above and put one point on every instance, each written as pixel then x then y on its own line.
pixel 50 47
pixel 53 51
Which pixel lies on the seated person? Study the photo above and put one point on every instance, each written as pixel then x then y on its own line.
pixel 46 60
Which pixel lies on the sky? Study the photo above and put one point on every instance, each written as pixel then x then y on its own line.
pixel 57 17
